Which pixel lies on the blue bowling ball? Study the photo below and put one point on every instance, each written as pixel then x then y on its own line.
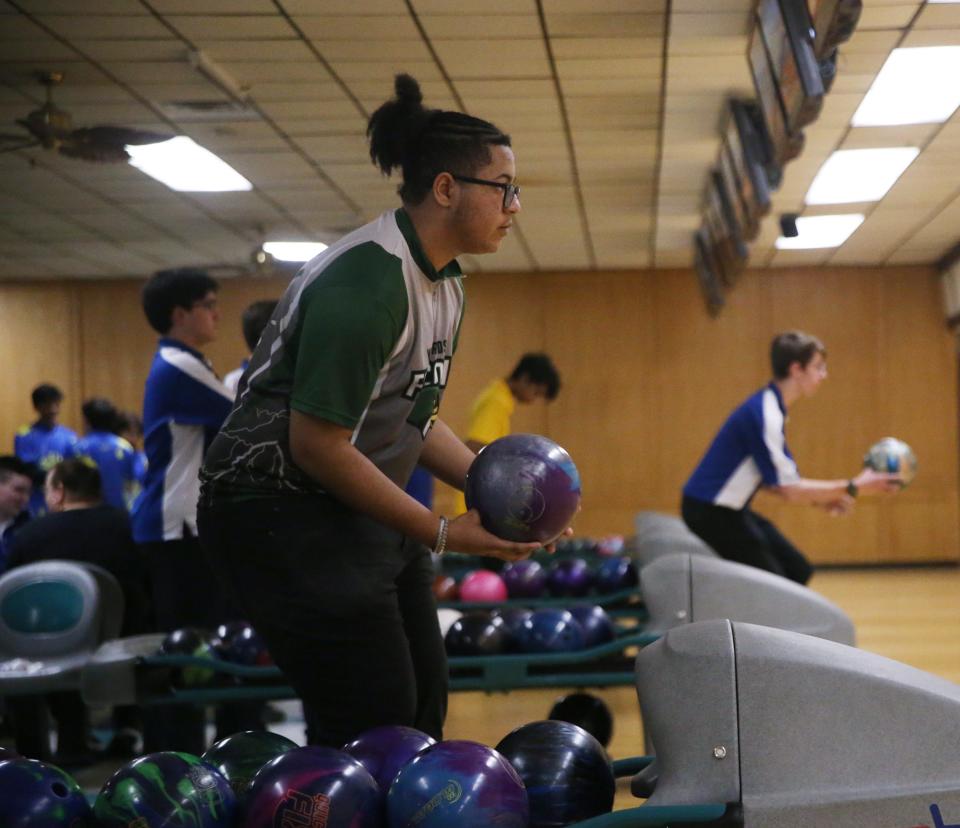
pixel 458 784
pixel 37 795
pixel 551 631
pixel 616 574
pixel 597 626
pixel 567 773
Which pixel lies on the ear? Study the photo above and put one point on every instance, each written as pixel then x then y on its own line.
pixel 444 189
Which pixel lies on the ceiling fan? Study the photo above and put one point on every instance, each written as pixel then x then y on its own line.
pixel 52 128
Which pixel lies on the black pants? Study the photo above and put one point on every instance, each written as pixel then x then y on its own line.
pixel 344 605
pixel 743 536
pixel 186 593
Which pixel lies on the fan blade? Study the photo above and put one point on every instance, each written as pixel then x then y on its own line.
pixel 98 153
pixel 116 136
pixel 24 143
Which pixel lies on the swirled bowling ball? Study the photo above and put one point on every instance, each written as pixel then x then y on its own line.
pixel 313 786
pixel 239 756
pixel 38 795
pixel 384 751
pixel 566 771
pixel 458 784
pixel 166 790
pixel 525 487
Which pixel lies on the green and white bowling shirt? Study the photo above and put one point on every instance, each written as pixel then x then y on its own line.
pixel 363 338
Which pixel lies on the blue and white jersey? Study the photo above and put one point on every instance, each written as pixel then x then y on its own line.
pixel 184 405
pixel 116 461
pixel 43 447
pixel 749 451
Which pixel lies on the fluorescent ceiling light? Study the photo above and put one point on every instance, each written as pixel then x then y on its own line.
pixel 821 231
pixel 285 251
pixel 851 176
pixel 184 165
pixel 913 87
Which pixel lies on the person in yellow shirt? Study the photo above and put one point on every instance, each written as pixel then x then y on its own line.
pixel 535 377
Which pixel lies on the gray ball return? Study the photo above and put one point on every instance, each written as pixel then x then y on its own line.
pixel 764 728
pixel 658 535
pixel 682 589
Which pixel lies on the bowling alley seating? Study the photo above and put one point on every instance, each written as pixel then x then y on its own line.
pixel 658 535
pixel 776 728
pixel 685 588
pixel 53 615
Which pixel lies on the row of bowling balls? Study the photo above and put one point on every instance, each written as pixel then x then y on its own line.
pixel 519 630
pixel 234 641
pixel 547 773
pixel 562 578
pixel 603 547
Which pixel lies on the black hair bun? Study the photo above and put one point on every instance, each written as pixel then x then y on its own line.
pixel 408 90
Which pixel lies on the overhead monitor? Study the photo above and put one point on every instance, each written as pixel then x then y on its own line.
pixel 787 32
pixel 834 22
pixel 707 271
pixel 784 144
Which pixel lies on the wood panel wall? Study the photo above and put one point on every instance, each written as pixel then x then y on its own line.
pixel 648 377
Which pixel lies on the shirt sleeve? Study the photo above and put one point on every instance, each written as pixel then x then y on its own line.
pixel 190 393
pixel 768 445
pixel 345 339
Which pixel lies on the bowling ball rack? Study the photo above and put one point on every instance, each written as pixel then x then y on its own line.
pixel 137 675
pixel 625 603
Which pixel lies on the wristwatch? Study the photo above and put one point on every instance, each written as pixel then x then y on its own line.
pixel 852 489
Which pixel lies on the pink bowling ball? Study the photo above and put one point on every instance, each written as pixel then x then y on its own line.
pixel 482 585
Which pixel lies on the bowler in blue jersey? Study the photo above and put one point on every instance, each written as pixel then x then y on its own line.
pixel 750 452
pixel 46 442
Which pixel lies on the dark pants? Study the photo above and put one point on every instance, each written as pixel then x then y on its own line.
pixel 344 605
pixel 186 593
pixel 743 536
pixel 31 724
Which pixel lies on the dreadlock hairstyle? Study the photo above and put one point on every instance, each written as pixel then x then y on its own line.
pixel 426 142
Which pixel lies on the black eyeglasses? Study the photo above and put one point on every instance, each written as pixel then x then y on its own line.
pixel 510 191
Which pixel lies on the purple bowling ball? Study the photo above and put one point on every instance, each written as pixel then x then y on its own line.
pixel 615 574
pixel 524 579
pixel 385 750
pixel 314 786
pixel 551 631
pixel 569 578
pixel 458 784
pixel 525 487
pixel 597 626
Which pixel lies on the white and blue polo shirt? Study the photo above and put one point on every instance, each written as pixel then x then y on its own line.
pixel 184 405
pixel 749 451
